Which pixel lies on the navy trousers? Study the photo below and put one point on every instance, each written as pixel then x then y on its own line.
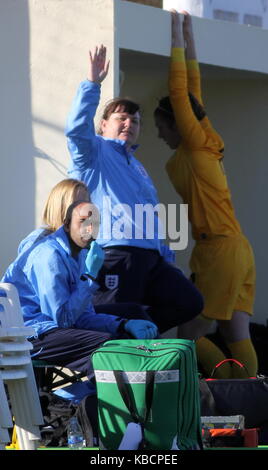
pixel 68 347
pixel 72 347
pixel 131 274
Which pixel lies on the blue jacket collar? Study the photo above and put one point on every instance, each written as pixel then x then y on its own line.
pixel 62 238
pixel 122 143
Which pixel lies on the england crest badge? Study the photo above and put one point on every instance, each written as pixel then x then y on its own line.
pixel 111 281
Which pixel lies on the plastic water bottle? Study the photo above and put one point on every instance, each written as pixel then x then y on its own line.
pixel 75 435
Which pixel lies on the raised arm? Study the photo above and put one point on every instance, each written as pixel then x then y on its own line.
pixel 80 129
pixel 80 120
pixel 193 72
pixel 192 65
pixel 194 132
pixel 189 127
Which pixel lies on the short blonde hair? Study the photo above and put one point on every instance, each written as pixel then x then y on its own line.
pixel 58 201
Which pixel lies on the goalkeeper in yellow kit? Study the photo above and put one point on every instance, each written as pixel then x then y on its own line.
pixel 222 260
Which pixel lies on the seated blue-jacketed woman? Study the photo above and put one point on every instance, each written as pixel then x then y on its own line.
pixel 55 279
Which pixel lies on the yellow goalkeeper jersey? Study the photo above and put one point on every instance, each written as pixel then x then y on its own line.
pixel 196 169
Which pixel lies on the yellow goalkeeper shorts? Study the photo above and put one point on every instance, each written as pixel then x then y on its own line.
pixel 224 272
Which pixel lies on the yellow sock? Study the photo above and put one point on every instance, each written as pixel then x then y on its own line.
pixel 245 353
pixel 209 355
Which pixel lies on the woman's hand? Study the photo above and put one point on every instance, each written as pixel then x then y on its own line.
pixel 176 30
pixel 187 26
pixel 188 35
pixel 98 67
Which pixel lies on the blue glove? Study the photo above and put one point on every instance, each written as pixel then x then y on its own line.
pixel 141 329
pixel 94 259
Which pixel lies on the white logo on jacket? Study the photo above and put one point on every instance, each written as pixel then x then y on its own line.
pixel 142 171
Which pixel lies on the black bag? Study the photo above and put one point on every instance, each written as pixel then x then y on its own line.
pixel 227 397
pixel 259 337
pixel 57 413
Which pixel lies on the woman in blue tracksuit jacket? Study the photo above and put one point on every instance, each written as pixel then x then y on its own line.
pixel 55 279
pixel 137 265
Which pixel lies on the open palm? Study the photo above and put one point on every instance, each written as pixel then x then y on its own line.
pixel 98 67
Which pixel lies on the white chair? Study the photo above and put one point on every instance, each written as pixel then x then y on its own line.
pixel 16 372
pixel 5 417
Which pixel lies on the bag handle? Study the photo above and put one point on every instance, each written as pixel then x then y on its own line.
pixel 149 392
pixel 235 361
pixel 124 391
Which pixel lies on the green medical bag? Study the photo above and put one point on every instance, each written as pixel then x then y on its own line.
pixel 150 382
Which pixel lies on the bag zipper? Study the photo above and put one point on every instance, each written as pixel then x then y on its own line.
pixel 139 355
pixel 144 348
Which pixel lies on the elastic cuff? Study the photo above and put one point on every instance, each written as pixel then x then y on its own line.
pixel 177 54
pixel 192 64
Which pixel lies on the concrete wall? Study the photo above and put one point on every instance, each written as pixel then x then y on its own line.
pixel 17 175
pixel 219 43
pixel 44 46
pixel 243 124
pixel 59 59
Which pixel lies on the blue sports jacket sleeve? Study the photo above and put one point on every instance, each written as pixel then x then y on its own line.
pixel 80 131
pixel 64 298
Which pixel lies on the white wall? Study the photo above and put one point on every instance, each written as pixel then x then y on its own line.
pixel 44 48
pixel 59 60
pixel 219 43
pixel 17 175
pixel 239 110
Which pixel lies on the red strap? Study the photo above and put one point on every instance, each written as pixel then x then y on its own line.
pixel 235 361
pixel 230 360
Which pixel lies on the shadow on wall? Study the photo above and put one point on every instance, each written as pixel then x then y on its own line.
pixel 17 183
